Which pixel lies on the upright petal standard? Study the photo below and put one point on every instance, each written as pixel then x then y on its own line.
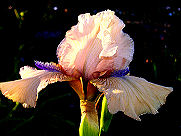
pixel 95 45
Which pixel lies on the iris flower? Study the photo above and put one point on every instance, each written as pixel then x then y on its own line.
pixel 93 57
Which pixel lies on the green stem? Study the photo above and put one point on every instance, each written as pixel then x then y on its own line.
pixel 89 119
pixel 106 117
pixel 14 108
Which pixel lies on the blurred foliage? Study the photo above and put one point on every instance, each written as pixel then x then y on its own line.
pixel 32 31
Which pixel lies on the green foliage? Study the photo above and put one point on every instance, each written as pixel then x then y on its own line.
pixel 47 118
pixel 87 127
pixel 106 117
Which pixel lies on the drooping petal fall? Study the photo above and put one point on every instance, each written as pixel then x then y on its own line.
pixel 132 95
pixel 33 81
pixel 96 44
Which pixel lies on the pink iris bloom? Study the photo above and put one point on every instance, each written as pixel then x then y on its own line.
pixel 95 51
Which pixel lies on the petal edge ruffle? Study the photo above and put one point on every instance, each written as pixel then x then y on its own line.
pixel 26 90
pixel 132 95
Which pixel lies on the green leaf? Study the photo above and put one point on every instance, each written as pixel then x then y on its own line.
pixel 106 117
pixel 87 127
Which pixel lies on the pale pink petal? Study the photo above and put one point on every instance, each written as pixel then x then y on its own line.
pixel 96 44
pixel 26 90
pixel 27 71
pixel 117 45
pixel 132 95
pixel 72 51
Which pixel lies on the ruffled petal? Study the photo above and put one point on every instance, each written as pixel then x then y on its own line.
pixel 96 44
pixel 132 95
pixel 72 51
pixel 33 81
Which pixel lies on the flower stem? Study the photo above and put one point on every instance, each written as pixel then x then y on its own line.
pixel 89 119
